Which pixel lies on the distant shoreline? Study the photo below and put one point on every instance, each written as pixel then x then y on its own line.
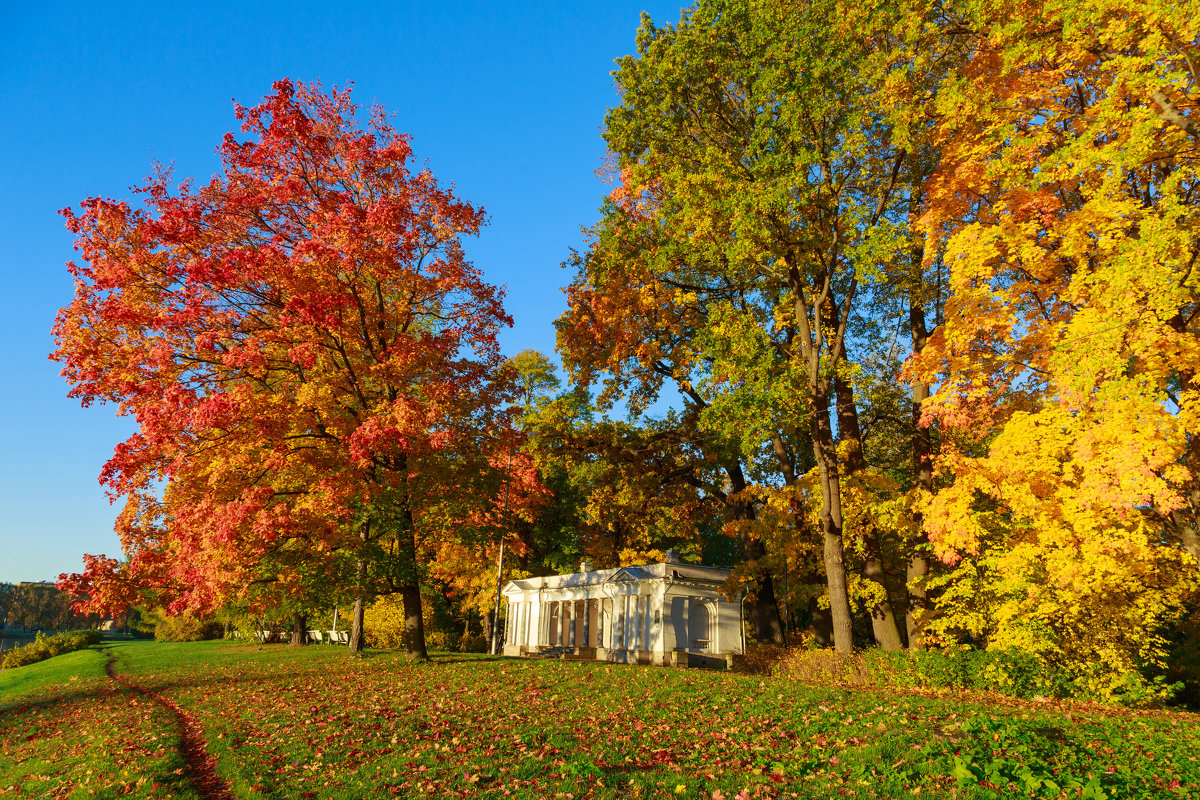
pixel 11 639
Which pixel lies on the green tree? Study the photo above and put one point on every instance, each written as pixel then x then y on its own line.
pixel 7 592
pixel 761 188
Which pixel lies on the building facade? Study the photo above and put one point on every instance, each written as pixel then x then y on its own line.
pixel 665 613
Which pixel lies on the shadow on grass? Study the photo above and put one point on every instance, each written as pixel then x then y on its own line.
pixel 457 659
pixel 200 767
pixel 103 691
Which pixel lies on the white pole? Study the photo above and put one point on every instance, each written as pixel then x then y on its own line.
pixel 500 560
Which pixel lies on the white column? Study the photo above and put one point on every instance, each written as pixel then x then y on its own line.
pixel 622 634
pixel 610 632
pixel 647 623
pixel 630 621
pixel 643 608
pixel 715 623
pixel 639 620
pixel 658 621
pixel 538 613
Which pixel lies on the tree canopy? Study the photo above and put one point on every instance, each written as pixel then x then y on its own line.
pixel 894 304
pixel 309 357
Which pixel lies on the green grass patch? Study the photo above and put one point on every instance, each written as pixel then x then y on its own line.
pixel 67 730
pixel 16 683
pixel 315 722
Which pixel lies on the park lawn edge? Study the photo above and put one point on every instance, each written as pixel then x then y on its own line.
pixel 268 713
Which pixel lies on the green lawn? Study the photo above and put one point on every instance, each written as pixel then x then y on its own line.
pixel 68 730
pixel 315 722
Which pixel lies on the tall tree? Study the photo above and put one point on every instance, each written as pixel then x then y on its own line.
pixel 760 184
pixel 1066 204
pixel 302 343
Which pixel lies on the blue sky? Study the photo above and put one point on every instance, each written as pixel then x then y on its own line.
pixel 504 100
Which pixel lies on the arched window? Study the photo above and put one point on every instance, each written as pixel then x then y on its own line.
pixel 699 627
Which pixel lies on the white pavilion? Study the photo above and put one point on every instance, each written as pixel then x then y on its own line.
pixel 668 614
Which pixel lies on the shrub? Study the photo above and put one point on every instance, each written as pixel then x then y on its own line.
pixel 186 628
pixel 1183 660
pixel 383 624
pixel 1011 672
pixel 824 667
pixel 759 658
pixel 26 654
pixel 384 628
pixel 438 640
pixel 479 643
pixel 43 647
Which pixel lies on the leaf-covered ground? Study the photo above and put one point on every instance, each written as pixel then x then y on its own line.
pixel 315 722
pixel 68 730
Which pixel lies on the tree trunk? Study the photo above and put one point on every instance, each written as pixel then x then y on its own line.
pixel 883 615
pixel 831 525
pixel 1189 531
pixel 822 623
pixel 299 628
pixel 414 625
pixel 763 608
pixel 410 592
pixel 918 563
pixel 357 636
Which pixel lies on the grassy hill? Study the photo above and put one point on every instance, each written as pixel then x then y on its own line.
pixel 314 722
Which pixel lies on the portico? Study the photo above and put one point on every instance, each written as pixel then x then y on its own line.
pixel 647 614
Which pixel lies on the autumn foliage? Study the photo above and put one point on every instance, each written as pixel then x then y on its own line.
pixel 310 359
pixel 917 280
pixel 1066 364
pixel 1012 191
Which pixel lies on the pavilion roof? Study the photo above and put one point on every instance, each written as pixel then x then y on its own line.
pixel 662 570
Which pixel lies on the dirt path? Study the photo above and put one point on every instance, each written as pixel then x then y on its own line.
pixel 201 767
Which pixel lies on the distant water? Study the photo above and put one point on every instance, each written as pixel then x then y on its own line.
pixel 9 642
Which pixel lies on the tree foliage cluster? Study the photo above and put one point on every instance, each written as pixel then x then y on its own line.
pixel 311 362
pixel 921 277
pixel 892 307
pixel 31 605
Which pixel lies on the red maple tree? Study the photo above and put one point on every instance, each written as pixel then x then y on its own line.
pixel 311 360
